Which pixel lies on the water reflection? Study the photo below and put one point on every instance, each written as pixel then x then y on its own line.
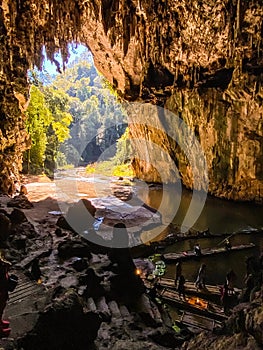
pixel 218 265
pixel 219 215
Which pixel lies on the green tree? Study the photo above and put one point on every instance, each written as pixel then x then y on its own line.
pixel 87 118
pixel 58 130
pixel 124 149
pixel 94 109
pixel 47 123
pixel 38 120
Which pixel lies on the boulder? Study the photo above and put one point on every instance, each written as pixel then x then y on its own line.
pixel 23 189
pixel 17 216
pixel 63 325
pixel 20 201
pixel 254 322
pixel 79 264
pixel 207 340
pixel 72 248
pixel 80 217
pixel 69 281
pixel 5 227
pixel 113 210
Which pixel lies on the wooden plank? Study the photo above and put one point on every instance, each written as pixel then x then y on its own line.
pixel 174 238
pixel 205 252
pixel 194 320
pixel 25 288
pixel 198 321
pixel 211 309
pixel 189 285
pixel 211 292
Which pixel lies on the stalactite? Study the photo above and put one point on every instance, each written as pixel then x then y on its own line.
pixel 165 33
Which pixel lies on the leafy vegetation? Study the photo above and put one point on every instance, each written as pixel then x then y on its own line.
pixel 48 125
pixel 108 168
pixel 98 118
pixel 119 164
pixel 75 118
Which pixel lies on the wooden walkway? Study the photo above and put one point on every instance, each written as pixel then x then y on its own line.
pixel 24 289
pixel 173 257
pixel 24 304
pixel 211 292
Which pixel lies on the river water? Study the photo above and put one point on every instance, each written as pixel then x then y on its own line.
pixel 217 215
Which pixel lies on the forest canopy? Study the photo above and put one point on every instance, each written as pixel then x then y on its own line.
pixel 73 118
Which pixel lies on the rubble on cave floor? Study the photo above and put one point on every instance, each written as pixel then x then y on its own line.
pixel 77 282
pixel 46 312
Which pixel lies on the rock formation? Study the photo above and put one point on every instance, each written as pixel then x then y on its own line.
pixel 202 59
pixel 82 300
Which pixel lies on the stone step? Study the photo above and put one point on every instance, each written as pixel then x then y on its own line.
pixel 148 312
pixel 114 308
pixel 125 313
pixel 90 305
pixel 102 307
pixel 145 306
pixel 156 312
pixel 20 286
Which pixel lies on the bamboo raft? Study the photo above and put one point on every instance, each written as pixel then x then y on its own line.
pixel 193 304
pixel 180 237
pixel 198 322
pixel 172 239
pixel 211 292
pixel 205 252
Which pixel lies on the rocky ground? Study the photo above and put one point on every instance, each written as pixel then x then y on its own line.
pixel 78 304
pixel 87 302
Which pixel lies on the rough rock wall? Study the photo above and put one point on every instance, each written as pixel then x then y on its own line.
pixel 25 27
pixel 229 126
pixel 212 54
pixel 200 58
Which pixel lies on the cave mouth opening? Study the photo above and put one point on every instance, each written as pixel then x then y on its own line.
pixel 74 116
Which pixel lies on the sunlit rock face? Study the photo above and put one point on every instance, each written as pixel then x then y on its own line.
pixel 202 59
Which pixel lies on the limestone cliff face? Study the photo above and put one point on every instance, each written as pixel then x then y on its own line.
pixel 228 125
pixel 202 59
